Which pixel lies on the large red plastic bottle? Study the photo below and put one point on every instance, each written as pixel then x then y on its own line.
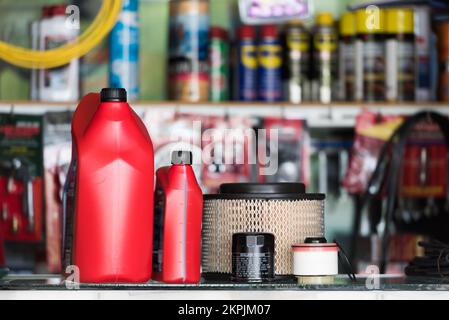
pixel 178 217
pixel 113 200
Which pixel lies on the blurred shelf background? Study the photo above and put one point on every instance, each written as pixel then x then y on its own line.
pixel 334 115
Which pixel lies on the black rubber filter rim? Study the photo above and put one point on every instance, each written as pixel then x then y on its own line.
pixel 264 196
pixel 264 191
pixel 265 188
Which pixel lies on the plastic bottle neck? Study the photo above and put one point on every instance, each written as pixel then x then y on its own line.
pixel 114 111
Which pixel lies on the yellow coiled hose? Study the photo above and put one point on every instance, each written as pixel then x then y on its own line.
pixel 100 27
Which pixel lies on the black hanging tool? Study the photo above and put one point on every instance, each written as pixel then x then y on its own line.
pixel 392 153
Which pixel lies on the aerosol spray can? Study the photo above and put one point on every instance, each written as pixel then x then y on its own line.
pixel 423 34
pixel 188 65
pixel 219 64
pixel 370 55
pixel 324 41
pixel 60 83
pixel 35 45
pixel 346 56
pixel 247 64
pixel 400 53
pixel 269 55
pixel 297 42
pixel 124 50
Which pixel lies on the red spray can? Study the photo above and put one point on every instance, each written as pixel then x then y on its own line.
pixel 109 193
pixel 177 222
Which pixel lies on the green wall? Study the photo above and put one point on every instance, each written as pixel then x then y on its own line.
pixel 15 18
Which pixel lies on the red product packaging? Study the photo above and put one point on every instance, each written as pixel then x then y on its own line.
pixel 21 181
pixel 424 163
pixel 228 145
pixel 221 146
pixel 372 130
pixel 57 155
pixel 291 153
pixel 424 172
pixel 177 228
pixel 172 131
pixel 112 193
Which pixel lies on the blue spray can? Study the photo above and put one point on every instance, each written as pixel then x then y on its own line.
pixel 270 65
pixel 124 50
pixel 247 61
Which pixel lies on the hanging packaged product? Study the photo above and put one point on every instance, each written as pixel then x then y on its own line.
pixel 61 83
pixel 346 55
pixel 219 64
pixel 324 59
pixel 273 11
pixel 177 222
pixel 188 71
pixel 124 50
pixel 297 44
pixel 227 147
pixel 443 58
pixel 21 179
pixel 424 163
pixel 108 209
pixel 400 55
pixel 290 148
pixel 372 130
pixel 269 55
pixel 370 55
pixel 247 64
pixel 423 34
pixel 170 130
pixel 57 155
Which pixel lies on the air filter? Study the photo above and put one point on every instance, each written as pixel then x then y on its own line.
pixel 283 209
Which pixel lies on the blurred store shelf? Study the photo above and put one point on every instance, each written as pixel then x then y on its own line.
pixel 340 114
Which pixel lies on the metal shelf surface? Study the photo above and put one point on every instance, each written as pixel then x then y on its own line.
pixel 389 287
pixel 317 115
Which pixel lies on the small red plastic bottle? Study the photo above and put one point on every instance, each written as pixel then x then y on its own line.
pixel 113 191
pixel 177 222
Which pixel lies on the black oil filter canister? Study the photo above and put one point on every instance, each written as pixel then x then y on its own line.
pixel 252 257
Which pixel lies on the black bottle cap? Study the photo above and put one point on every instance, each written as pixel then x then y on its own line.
pixel 244 241
pixel 181 157
pixel 113 95
pixel 315 240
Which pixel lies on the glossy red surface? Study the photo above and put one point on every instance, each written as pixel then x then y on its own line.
pixel 113 225
pixel 183 207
